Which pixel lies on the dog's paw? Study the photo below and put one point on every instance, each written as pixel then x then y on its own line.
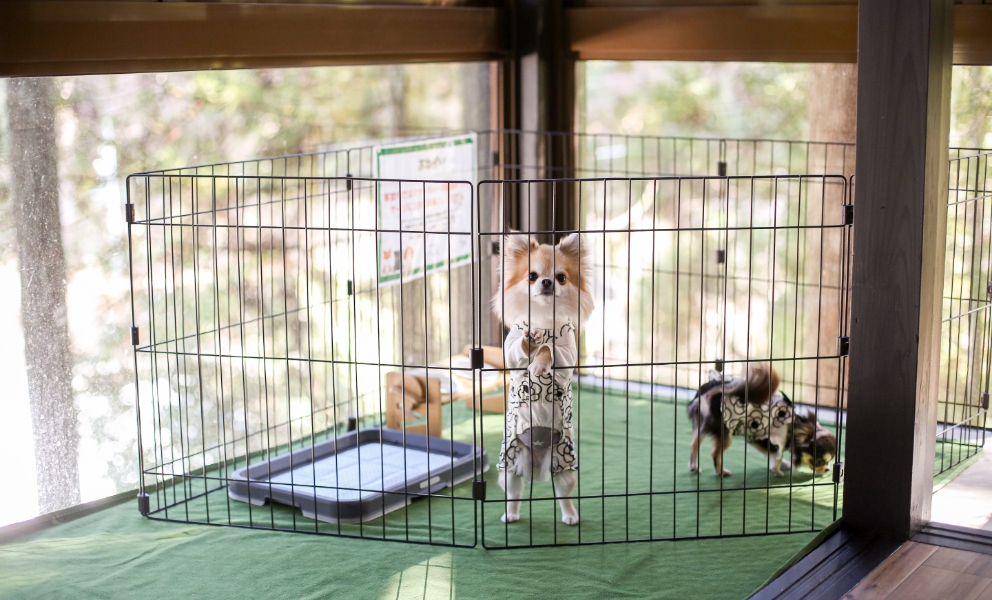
pixel 725 473
pixel 570 518
pixel 538 368
pixel 508 518
pixel 778 472
pixel 693 468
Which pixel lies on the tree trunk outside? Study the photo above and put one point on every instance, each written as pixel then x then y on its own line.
pixel 34 168
pixel 833 103
pixel 832 116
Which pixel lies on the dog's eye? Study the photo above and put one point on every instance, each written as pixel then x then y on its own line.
pixel 533 276
pixel 560 277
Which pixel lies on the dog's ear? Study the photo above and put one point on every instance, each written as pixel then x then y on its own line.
pixel 576 246
pixel 515 243
pixel 573 245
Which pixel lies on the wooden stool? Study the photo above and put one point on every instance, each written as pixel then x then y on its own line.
pixel 414 401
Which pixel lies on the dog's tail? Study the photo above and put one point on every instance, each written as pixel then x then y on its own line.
pixel 717 380
pixel 693 410
pixel 762 381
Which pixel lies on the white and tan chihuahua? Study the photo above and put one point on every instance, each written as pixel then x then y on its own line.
pixel 544 294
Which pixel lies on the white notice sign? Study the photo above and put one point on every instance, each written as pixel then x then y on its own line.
pixel 416 217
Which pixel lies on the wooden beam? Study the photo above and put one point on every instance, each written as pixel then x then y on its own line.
pixel 904 91
pixel 973 34
pixel 76 37
pixel 746 33
pixel 812 32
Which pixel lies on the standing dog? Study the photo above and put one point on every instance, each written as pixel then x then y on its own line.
pixel 544 294
pixel 728 406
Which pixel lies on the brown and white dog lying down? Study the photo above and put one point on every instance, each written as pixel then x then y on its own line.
pixel 727 406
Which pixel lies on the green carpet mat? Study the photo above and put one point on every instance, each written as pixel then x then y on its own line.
pixel 116 553
pixel 633 484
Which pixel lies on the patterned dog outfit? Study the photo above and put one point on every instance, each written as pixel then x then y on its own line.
pixel 539 410
pixel 756 423
pixel 768 421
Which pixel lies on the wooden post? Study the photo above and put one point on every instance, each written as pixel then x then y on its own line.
pixel 545 93
pixel 904 71
pixel 535 93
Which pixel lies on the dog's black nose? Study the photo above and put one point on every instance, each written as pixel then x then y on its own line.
pixel 547 284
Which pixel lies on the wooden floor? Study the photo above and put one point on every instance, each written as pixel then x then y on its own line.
pixel 924 572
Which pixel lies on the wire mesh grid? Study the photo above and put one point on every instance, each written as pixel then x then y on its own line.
pixel 688 274
pixel 266 330
pixel 268 327
pixel 965 333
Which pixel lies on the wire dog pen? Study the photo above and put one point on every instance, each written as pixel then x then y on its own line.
pixel 288 315
pixel 965 344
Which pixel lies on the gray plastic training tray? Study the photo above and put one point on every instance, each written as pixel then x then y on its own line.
pixel 360 476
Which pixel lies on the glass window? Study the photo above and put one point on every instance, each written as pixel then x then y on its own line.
pixel 108 126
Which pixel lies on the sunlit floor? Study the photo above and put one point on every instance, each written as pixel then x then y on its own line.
pixel 967 500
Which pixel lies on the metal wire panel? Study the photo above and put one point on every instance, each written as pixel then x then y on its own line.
pixel 618 155
pixel 965 332
pixel 264 326
pixel 689 274
pixel 267 320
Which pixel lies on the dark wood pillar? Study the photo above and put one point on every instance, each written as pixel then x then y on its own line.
pixel 539 99
pixel 904 71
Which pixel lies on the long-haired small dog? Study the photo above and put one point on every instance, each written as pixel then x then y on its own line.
pixel 544 294
pixel 728 406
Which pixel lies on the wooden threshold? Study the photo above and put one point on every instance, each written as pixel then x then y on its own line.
pixel 920 571
pixel 853 565
pixel 952 536
pixel 833 568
